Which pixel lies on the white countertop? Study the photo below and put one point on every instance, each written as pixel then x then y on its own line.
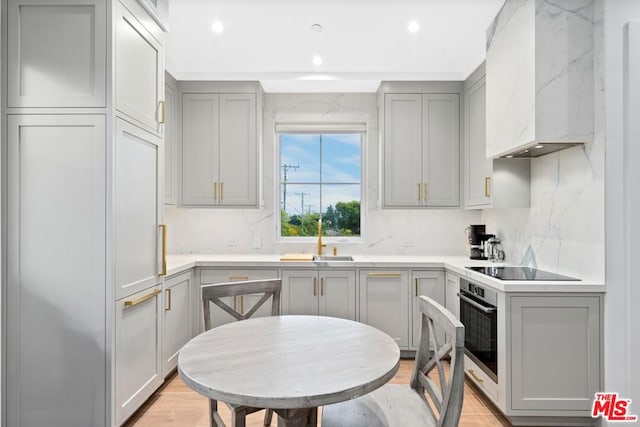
pixel 456 264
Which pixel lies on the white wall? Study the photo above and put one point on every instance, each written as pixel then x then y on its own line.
pixel 622 322
pixel 422 232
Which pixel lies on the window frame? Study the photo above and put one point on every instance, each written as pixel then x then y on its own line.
pixel 318 129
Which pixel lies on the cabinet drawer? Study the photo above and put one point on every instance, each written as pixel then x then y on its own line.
pixel 209 276
pixel 482 380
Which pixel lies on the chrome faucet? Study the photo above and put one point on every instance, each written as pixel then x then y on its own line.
pixel 320 244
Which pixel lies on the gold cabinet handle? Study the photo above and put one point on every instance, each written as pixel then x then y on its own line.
pixel 416 279
pixel 221 190
pixel 167 294
pixel 419 192
pixel 487 181
pixel 315 287
pixel 163 112
pixel 384 274
pixel 426 191
pixel 322 286
pixel 134 302
pixel 232 278
pixel 215 191
pixel 475 377
pixel 163 271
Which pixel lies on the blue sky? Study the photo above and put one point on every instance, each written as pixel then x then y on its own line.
pixel 340 169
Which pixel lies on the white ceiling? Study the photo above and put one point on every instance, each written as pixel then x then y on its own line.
pixel 362 41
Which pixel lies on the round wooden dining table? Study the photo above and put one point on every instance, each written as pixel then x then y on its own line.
pixel 291 364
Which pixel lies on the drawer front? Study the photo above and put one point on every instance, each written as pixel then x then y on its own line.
pixel 482 380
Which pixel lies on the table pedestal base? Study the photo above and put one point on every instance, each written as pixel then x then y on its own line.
pixel 305 417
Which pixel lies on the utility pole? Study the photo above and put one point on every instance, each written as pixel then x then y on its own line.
pixel 302 203
pixel 285 169
pixel 309 208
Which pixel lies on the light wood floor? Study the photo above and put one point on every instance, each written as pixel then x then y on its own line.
pixel 176 405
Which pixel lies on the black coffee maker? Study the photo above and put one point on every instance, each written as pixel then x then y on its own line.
pixel 477 239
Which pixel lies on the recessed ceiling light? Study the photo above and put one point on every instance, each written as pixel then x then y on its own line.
pixel 317 60
pixel 217 27
pixel 510 156
pixel 539 146
pixel 413 27
pixel 316 27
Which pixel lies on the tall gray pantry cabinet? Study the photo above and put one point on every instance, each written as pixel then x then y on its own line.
pixel 83 114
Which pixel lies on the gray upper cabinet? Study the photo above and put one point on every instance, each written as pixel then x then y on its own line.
pixel 171 142
pixel 421 150
pixel 139 69
pixel 219 149
pixel 499 183
pixel 56 59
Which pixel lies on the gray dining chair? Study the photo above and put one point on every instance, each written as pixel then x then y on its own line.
pixel 215 294
pixel 424 402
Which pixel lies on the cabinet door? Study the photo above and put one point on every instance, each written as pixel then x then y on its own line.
pixel 384 303
pixel 338 294
pixel 177 319
pixel 429 284
pixel 138 362
pixel 171 146
pixel 479 169
pixel 452 288
pixel 238 150
pixel 402 150
pixel 139 71
pixel 555 347
pixel 300 292
pixel 55 271
pixel 137 206
pixel 57 53
pixel 441 149
pixel 220 317
pixel 200 149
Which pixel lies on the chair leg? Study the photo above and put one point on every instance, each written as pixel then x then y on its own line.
pixel 268 414
pixel 238 418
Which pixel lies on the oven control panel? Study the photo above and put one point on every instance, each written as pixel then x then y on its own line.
pixel 479 291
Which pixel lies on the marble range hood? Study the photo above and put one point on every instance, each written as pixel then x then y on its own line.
pixel 540 85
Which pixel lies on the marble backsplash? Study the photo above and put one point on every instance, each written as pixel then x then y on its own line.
pixel 398 231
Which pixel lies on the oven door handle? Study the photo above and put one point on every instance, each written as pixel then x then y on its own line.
pixel 477 305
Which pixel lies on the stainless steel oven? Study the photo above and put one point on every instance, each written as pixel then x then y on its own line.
pixel 479 314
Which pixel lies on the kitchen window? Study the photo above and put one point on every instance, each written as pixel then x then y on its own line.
pixel 320 178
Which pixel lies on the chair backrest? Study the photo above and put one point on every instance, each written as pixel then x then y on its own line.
pixel 269 288
pixel 444 397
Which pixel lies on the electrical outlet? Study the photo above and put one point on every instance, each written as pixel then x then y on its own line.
pixel 408 244
pixel 232 242
pixel 257 242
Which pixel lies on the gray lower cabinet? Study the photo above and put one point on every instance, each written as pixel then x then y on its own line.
pixel 320 292
pixel 429 284
pixel 210 276
pixel 177 319
pixel 138 341
pixel 555 352
pixel 451 290
pixel 384 303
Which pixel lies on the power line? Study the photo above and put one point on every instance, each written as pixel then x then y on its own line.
pixel 285 169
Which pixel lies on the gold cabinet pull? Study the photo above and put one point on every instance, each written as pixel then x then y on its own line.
pixel 163 112
pixel 426 191
pixel 475 377
pixel 134 302
pixel 487 181
pixel 322 286
pixel 167 294
pixel 232 278
pixel 163 271
pixel 315 287
pixel 416 286
pixel 384 275
pixel 215 191
pixel 221 190
pixel 419 192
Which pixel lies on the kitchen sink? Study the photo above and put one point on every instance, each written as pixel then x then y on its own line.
pixel 332 258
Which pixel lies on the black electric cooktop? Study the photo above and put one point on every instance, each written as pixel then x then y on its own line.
pixel 520 273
